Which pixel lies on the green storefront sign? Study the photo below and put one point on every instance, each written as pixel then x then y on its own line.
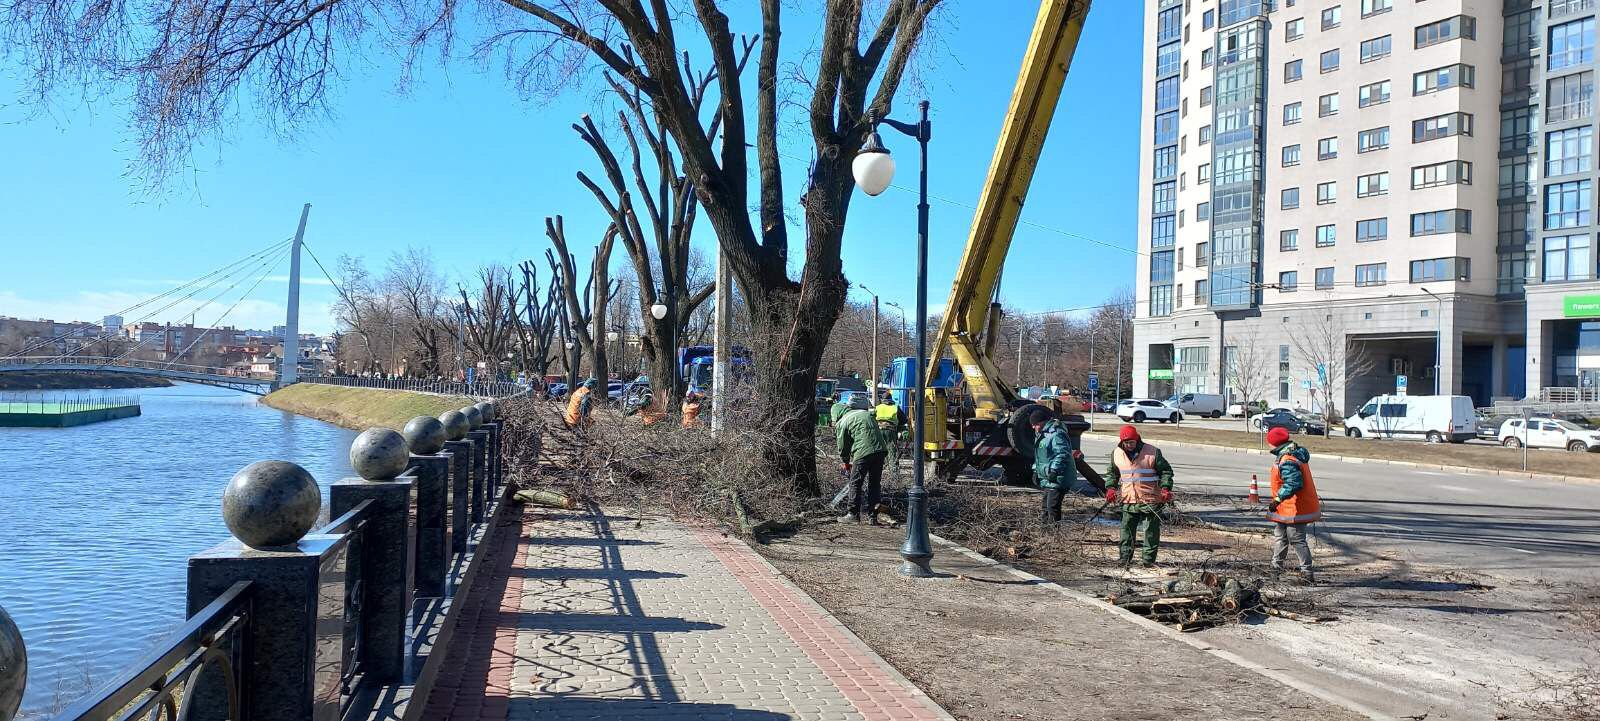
pixel 1161 374
pixel 1580 306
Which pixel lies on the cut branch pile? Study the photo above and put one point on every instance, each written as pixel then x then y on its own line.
pixel 1203 599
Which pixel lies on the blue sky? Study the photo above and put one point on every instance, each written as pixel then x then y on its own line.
pixel 461 165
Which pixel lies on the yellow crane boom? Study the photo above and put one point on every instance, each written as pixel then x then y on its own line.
pixel 968 312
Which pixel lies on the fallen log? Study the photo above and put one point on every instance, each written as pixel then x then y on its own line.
pixel 548 499
pixel 1292 616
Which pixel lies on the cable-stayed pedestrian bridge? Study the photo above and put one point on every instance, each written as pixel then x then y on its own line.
pixel 175 371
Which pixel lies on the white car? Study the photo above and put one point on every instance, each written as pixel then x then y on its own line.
pixel 1549 433
pixel 1139 410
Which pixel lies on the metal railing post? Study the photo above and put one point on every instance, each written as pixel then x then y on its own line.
pixel 388 546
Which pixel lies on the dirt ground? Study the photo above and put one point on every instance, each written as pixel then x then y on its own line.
pixel 1408 641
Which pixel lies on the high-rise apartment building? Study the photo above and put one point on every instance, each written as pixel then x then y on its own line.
pixel 1336 194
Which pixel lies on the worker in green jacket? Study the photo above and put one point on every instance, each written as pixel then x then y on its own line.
pixel 863 450
pixel 1144 484
pixel 1054 466
pixel 837 411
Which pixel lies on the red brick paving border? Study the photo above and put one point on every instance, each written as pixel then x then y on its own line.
pixel 877 692
pixel 475 683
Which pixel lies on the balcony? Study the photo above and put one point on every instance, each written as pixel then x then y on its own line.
pixel 1563 8
pixel 1569 111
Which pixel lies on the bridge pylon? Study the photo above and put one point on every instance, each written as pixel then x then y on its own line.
pixel 289 362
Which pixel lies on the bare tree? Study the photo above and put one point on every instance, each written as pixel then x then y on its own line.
pixel 1249 367
pixel 586 309
pixel 189 60
pixel 417 289
pixel 1329 357
pixel 538 323
pixel 489 323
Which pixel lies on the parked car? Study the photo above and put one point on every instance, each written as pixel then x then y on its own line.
pixel 1209 405
pixel 1549 433
pixel 1139 410
pixel 1489 426
pixel 1253 408
pixel 1108 407
pixel 556 390
pixel 1292 420
pixel 614 391
pixel 1434 418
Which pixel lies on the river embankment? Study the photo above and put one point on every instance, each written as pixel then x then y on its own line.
pixel 361 408
pixel 76 380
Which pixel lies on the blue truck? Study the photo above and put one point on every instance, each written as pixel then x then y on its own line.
pixel 900 377
pixel 695 366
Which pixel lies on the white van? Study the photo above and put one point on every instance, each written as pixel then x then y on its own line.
pixel 1207 405
pixel 1434 418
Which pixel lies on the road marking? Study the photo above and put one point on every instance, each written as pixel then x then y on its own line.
pixel 1518 550
pixel 1457 489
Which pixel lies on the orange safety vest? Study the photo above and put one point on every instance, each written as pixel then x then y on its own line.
pixel 1138 481
pixel 1303 506
pixel 650 414
pixel 574 416
pixel 691 413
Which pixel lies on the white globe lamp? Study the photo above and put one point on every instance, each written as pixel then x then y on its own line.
pixel 873 167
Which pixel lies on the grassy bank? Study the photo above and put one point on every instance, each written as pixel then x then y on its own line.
pixel 1547 461
pixel 360 408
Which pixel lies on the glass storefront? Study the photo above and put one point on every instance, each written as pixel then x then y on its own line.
pixel 1576 345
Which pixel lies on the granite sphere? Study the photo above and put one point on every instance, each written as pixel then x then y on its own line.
pixel 487 409
pixel 474 416
pixel 13 666
pixel 424 435
pixel 270 504
pixel 379 454
pixel 455 425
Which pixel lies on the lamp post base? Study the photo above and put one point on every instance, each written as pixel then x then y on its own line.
pixel 917 551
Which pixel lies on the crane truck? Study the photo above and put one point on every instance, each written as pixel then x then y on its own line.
pixel 988 426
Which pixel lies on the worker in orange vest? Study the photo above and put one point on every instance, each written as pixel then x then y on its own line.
pixel 649 411
pixel 1144 485
pixel 691 409
pixel 579 405
pixel 1294 503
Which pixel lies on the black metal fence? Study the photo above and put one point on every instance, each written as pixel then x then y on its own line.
pixel 479 389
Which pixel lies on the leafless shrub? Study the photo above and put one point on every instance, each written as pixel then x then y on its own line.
pixel 1571 696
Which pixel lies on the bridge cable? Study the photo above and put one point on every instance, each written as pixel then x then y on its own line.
pixel 325 274
pixel 269 268
pixel 227 269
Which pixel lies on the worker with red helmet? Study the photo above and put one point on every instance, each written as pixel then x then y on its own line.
pixel 1144 484
pixel 1294 503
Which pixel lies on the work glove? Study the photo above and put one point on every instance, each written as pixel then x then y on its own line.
pixel 1111 495
pixel 1273 506
pixel 1166 496
pixel 1077 455
pixel 846 468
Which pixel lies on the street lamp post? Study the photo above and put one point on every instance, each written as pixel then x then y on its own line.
pixel 904 334
pixel 874 363
pixel 1438 337
pixel 873 168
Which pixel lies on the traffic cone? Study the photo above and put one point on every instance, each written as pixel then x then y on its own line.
pixel 1255 490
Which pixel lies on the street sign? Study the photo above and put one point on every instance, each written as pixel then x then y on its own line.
pixel 470 371
pixel 1094 382
pixel 1305 384
pixel 1160 374
pixel 1400 385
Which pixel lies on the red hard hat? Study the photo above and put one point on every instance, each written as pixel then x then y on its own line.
pixel 1278 436
pixel 1128 433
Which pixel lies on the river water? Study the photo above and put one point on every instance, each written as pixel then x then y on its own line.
pixel 97 522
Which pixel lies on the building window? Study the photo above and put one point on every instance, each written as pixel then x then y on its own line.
pixel 1438 222
pixel 1162 232
pixel 1205 134
pixel 1294 29
pixel 1441 126
pixel 1571 44
pixel 1288 281
pixel 1166 162
pixel 1327 236
pixel 1441 269
pixel 1566 257
pixel 1327 148
pixel 1374 139
pixel 1289 239
pixel 1373 184
pixel 1167 59
pixel 1331 17
pixel 1328 105
pixel 1569 151
pixel 1374 94
pixel 1200 258
pixel 1291 113
pixel 1372 229
pixel 1514 177
pixel 1375 48
pixel 1205 58
pixel 1166 94
pixel 1283 373
pixel 1324 278
pixel 1205 96
pixel 1165 198
pixel 1517 77
pixel 1169 24
pixel 1449 172
pixel 1291 70
pixel 1166 131
pixel 1437 79
pixel 1290 199
pixel 1371 274
pixel 1204 173
pixel 1451 28
pixel 1161 267
pixel 1516 131
pixel 1373 7
pixel 1208 19
pixel 1160 300
pixel 1567 205
pixel 1192 370
pixel 1329 61
pixel 1570 97
pixel 1291 155
pixel 1200 292
pixel 1202 212
pixel 1327 192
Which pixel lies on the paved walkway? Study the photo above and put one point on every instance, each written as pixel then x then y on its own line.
pixel 587 616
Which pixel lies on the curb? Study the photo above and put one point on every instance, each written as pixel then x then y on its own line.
pixel 1278 675
pixel 1581 480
